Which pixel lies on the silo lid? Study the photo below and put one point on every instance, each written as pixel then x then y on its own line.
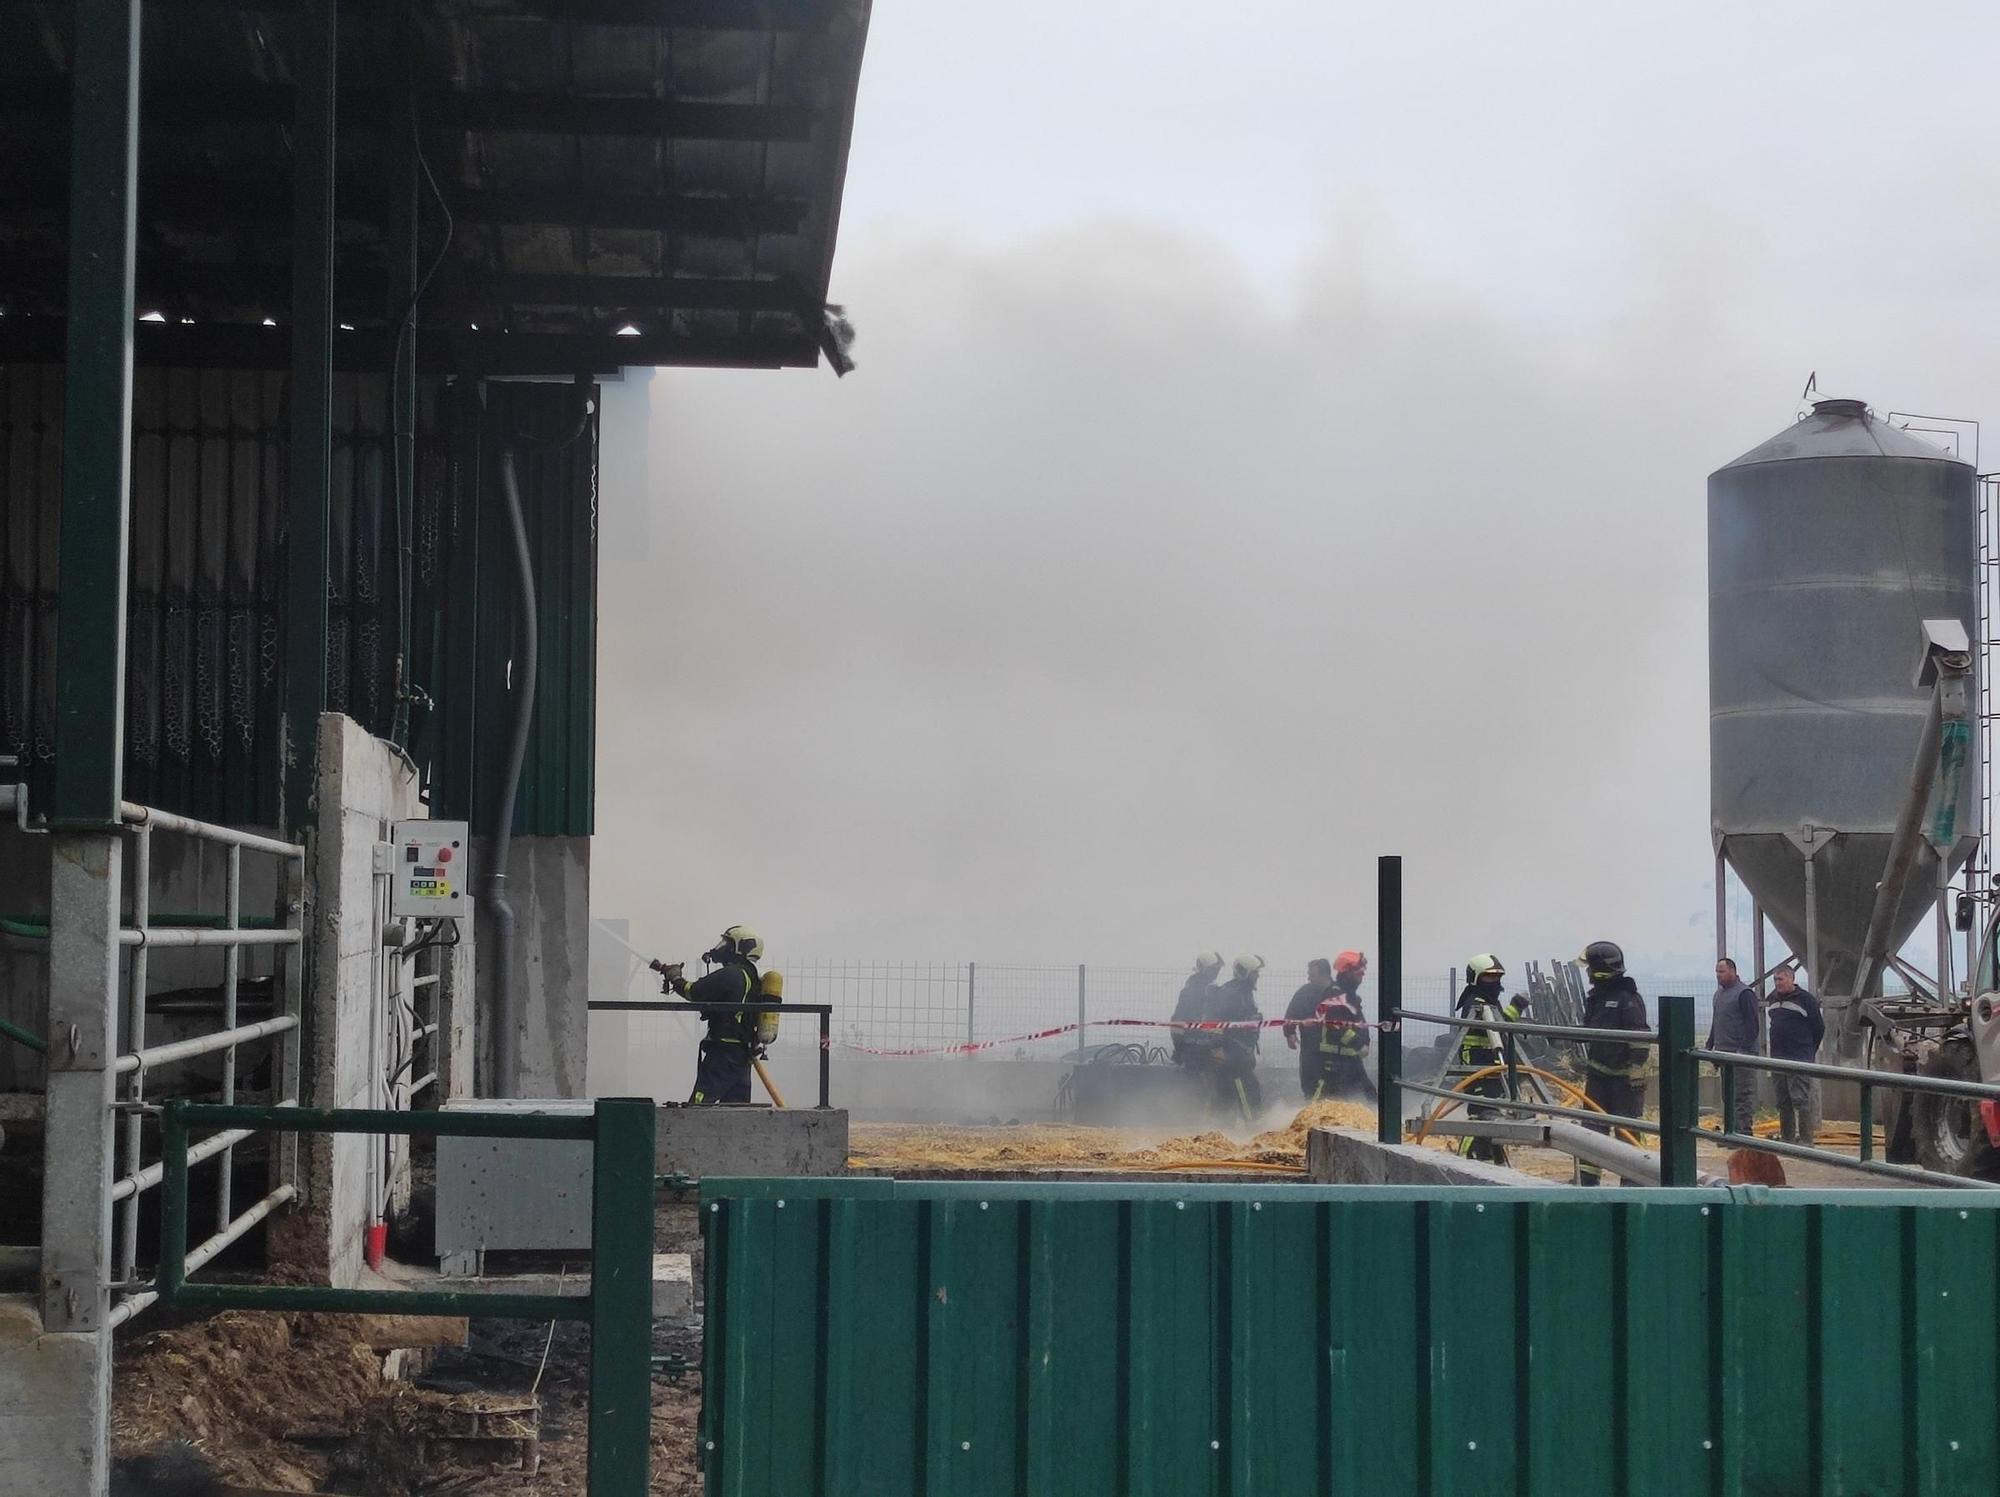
pixel 1841 428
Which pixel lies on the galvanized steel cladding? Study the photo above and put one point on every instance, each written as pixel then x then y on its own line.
pixel 867 1337
pixel 1828 546
pixel 205 607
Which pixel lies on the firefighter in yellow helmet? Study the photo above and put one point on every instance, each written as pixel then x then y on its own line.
pixel 1484 997
pixel 722 1073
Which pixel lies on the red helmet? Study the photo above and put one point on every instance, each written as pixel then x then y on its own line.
pixel 1350 962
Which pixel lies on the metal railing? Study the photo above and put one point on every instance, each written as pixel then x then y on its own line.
pixel 670 1007
pixel 1678 1125
pixel 136 1058
pixel 618 1306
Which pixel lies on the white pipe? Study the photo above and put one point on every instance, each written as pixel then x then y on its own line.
pixel 196 935
pixel 167 821
pixel 204 1044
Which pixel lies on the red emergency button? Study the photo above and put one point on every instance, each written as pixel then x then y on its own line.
pixel 444 855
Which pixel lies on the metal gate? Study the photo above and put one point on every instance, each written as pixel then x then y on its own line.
pixel 873 1336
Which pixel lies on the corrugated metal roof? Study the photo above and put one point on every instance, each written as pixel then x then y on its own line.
pixel 670 165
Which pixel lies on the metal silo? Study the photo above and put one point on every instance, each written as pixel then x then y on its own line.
pixel 1842 572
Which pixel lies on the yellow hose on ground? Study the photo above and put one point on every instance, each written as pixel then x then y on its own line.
pixel 1571 1093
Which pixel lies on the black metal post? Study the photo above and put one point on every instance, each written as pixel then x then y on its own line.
pixel 1389 997
pixel 1867 1122
pixel 1082 1012
pixel 1678 1095
pixel 971 984
pixel 97 416
pixel 307 499
pixel 826 1057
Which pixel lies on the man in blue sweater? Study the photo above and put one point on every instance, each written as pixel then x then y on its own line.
pixel 1797 1027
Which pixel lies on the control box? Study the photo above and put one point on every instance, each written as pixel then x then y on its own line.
pixel 430 874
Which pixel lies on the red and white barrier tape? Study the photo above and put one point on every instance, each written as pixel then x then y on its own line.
pixel 1206 1027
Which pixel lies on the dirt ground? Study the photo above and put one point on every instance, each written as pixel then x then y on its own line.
pixel 259 1395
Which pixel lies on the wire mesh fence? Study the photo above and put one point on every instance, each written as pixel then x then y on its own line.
pixel 938 1006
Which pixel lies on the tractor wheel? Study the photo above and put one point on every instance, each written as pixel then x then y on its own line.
pixel 1949 1135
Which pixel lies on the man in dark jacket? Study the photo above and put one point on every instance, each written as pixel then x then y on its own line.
pixel 722 1073
pixel 1797 1027
pixel 1237 1093
pixel 1192 1006
pixel 1617 1071
pixel 1301 1034
pixel 1734 1026
pixel 1337 1042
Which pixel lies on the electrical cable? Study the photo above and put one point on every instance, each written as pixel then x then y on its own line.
pixel 562 1275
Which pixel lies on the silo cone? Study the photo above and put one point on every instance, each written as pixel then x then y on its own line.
pixel 1829 546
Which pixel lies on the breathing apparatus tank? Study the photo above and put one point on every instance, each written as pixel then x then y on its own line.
pixel 773 991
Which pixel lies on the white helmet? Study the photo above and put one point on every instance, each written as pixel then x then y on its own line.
pixel 1208 961
pixel 1249 966
pixel 1479 966
pixel 743 941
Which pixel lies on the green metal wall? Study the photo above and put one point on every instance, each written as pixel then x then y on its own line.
pixel 206 612
pixel 870 1337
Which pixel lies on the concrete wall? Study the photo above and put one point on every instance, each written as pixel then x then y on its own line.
pixel 1343 1156
pixel 361 786
pixel 548 884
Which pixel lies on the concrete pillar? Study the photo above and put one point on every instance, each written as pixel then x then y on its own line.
pixel 548 881
pixel 65 1371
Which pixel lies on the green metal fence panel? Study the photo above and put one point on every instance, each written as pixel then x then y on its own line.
pixel 619 1304
pixel 971 1338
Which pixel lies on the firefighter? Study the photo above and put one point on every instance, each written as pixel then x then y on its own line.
pixel 1192 1006
pixel 1237 1092
pixel 1617 1071
pixel 722 1074
pixel 1485 997
pixel 1301 1032
pixel 1339 1040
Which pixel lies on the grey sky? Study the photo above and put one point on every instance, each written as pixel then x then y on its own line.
pixel 1280 438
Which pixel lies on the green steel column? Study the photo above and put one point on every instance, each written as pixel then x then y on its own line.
pixel 1679 1100
pixel 621 1299
pixel 1867 1122
pixel 1389 997
pixel 402 317
pixel 97 415
pixel 172 1271
pixel 312 401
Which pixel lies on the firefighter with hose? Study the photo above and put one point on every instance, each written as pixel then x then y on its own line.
pixel 740 1025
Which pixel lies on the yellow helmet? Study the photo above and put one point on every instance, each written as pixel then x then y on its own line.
pixel 1483 964
pixel 1249 966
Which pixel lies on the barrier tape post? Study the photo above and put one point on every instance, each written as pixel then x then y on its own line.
pixel 1389 997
